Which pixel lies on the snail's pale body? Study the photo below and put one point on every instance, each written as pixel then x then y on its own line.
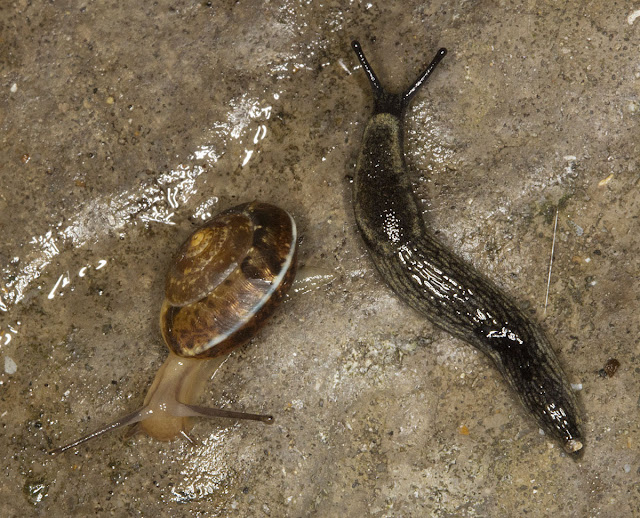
pixel 177 387
pixel 434 281
pixel 225 281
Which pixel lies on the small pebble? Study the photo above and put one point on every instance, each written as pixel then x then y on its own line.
pixel 10 367
pixel 611 367
pixel 605 181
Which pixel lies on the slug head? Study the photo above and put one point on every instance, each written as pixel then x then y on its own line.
pixel 389 102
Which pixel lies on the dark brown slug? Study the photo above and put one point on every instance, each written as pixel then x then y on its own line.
pixel 433 280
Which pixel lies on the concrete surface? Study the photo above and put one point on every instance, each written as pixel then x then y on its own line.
pixel 124 124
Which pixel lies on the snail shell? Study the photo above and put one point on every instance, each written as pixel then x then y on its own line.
pixel 224 282
pixel 226 279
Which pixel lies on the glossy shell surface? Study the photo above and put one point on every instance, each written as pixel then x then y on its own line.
pixel 227 278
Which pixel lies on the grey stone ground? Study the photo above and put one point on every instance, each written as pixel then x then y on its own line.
pixel 123 126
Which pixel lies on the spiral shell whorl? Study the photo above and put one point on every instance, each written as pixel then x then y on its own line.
pixel 207 258
pixel 227 279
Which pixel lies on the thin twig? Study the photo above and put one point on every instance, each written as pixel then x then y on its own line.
pixel 553 245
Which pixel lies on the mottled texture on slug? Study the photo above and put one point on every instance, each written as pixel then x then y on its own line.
pixel 436 282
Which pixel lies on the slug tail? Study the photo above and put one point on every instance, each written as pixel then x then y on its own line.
pixel 460 300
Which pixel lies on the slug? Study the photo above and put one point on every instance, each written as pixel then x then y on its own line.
pixel 430 278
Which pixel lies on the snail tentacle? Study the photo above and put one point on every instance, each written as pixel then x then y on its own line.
pixel 203 411
pixel 132 418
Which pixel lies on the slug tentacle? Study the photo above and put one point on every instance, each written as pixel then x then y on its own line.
pixel 389 102
pixel 411 91
pixel 434 281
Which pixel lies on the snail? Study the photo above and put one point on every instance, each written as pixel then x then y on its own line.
pixel 225 281
pixel 434 281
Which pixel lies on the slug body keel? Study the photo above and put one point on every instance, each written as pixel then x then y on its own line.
pixel 433 280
